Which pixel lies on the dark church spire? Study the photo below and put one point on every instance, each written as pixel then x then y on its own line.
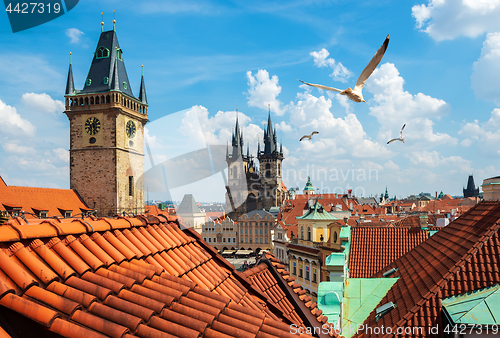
pixel 237 141
pixel 107 71
pixel 70 85
pixel 270 145
pixel 142 90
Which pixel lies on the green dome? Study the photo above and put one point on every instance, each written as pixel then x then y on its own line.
pixel 309 185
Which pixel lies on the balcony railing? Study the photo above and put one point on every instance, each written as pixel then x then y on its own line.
pixel 303 242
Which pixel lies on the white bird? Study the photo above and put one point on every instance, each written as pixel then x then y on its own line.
pixel 309 137
pixel 401 138
pixel 355 94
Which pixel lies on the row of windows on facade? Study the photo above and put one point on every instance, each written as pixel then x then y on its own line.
pixel 294 272
pixel 256 223
pixel 249 231
pixel 222 230
pixel 257 240
pixel 214 240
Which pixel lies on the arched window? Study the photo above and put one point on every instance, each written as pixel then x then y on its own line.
pixel 268 170
pixel 335 237
pixel 301 232
pixel 279 169
pixel 308 233
pixel 102 53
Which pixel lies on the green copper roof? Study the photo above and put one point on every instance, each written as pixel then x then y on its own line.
pixel 330 299
pixel 478 307
pixel 317 212
pixel 335 259
pixel 345 232
pixel 309 185
pixel 361 296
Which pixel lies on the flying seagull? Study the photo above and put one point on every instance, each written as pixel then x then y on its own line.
pixel 355 94
pixel 309 137
pixel 401 138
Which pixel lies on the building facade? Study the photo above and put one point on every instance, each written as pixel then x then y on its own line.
pixel 260 184
pixel 221 234
pixel 107 133
pixel 255 230
pixel 280 241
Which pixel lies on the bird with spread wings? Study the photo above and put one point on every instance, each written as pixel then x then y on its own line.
pixel 355 94
pixel 309 137
pixel 401 138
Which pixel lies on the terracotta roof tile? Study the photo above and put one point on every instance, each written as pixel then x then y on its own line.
pixel 447 264
pixel 150 281
pixel 373 248
pixel 98 324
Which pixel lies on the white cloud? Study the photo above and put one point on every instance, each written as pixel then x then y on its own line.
pixel 487 134
pixel 336 136
pixel 61 154
pixel 219 128
pixel 446 20
pixel 389 165
pixel 263 91
pixel 74 34
pixel 43 103
pixel 466 142
pixel 433 159
pixel 393 107
pixel 486 70
pixel 14 148
pixel 339 73
pixel 12 123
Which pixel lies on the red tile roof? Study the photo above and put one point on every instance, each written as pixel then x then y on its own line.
pixel 124 277
pixel 268 274
pixel 462 257
pixel 373 248
pixel 32 200
pixel 364 209
pixel 414 220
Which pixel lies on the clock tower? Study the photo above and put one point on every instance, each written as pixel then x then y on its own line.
pixel 107 133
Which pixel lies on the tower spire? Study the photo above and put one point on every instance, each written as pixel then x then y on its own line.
pixel 70 85
pixel 102 22
pixel 114 21
pixel 142 90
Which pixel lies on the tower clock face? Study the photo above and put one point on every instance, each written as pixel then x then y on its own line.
pixel 92 125
pixel 130 129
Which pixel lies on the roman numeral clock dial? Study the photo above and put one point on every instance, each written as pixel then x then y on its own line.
pixel 92 125
pixel 130 129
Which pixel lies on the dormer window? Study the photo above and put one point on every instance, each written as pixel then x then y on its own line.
pixel 119 53
pixel 102 52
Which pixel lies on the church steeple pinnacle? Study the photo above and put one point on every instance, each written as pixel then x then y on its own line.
pixel 270 144
pixel 70 85
pixel 142 90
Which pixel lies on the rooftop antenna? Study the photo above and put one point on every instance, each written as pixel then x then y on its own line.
pixel 114 21
pixel 102 22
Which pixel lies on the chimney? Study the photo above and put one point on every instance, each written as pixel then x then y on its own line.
pixel 424 220
pixel 436 195
pixel 491 189
pixel 349 193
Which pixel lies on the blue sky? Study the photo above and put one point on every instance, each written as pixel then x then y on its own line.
pixel 439 76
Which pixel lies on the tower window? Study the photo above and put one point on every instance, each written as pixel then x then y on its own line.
pixel 131 185
pixel 102 53
pixel 119 53
pixel 124 85
pixel 279 169
pixel 106 80
pixel 268 170
pixel 88 82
